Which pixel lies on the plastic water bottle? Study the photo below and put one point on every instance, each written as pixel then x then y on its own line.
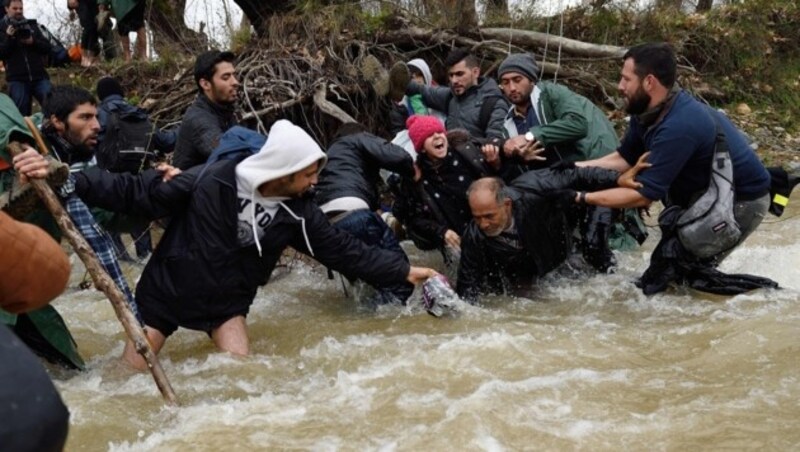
pixel 438 296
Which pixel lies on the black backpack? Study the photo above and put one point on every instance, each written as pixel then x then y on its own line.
pixel 127 146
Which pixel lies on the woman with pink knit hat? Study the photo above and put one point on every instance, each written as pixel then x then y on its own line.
pixel 434 207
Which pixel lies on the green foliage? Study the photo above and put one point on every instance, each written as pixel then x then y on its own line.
pixel 241 38
pixel 749 50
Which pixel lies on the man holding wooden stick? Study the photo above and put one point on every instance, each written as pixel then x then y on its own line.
pixel 230 222
pixel 72 131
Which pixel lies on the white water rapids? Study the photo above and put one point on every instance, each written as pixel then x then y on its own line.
pixel 589 363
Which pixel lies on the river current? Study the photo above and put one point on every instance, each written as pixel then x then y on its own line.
pixel 586 363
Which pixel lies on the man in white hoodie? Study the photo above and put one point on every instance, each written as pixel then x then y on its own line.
pixel 230 222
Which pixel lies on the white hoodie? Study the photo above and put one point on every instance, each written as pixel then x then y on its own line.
pixel 420 64
pixel 288 150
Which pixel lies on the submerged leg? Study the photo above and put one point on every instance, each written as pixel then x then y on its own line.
pixel 132 357
pixel 231 336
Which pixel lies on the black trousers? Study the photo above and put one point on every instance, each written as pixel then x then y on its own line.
pixel 32 415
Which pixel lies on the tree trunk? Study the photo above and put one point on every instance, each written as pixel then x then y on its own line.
pixel 704 5
pixel 258 12
pixel 669 4
pixel 497 10
pixel 170 33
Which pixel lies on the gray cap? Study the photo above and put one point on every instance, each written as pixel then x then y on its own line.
pixel 522 63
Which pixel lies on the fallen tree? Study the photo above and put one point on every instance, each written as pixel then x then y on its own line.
pixel 317 81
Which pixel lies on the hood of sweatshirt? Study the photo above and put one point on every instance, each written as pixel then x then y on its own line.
pixel 420 64
pixel 288 149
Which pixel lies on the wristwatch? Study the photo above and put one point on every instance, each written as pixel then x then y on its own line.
pixel 529 136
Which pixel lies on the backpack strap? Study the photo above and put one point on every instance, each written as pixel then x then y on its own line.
pixel 486 111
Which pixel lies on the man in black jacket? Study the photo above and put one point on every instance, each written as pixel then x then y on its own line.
pixel 24 51
pixel 230 222
pixel 519 234
pixel 212 113
pixel 348 192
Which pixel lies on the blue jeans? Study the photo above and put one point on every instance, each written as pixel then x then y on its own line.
pixel 368 227
pixel 20 93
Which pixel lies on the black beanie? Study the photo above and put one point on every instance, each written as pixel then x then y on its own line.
pixel 107 86
pixel 522 63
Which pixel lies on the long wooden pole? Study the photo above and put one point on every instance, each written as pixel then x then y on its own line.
pixel 102 281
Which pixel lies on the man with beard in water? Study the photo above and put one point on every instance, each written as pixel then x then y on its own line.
pixel 680 134
pixel 70 130
pixel 212 113
pixel 230 222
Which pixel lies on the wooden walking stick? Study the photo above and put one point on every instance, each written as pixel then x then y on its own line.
pixel 102 281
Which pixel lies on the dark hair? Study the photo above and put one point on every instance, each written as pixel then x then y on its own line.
pixel 415 71
pixel 64 99
pixel 458 55
pixel 350 128
pixel 8 3
pixel 206 64
pixel 655 58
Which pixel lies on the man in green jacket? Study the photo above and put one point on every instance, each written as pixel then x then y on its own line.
pixel 130 18
pixel 547 124
pixel 544 114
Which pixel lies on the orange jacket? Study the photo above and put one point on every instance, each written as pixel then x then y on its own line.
pixel 33 267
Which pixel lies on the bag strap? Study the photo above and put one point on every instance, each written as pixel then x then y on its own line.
pixel 486 111
pixel 721 162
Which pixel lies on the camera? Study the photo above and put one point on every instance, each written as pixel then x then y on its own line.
pixel 23 27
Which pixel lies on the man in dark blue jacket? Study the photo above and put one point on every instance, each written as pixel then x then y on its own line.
pixel 348 192
pixel 679 132
pixel 230 222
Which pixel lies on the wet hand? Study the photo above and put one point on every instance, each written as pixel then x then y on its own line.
pixel 168 172
pixel 30 165
pixel 452 238
pixel 628 178
pixel 418 275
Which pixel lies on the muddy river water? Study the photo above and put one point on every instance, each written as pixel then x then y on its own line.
pixel 587 363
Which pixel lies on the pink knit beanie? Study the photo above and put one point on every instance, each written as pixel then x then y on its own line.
pixel 420 127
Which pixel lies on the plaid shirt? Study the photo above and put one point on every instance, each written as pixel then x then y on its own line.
pixel 98 240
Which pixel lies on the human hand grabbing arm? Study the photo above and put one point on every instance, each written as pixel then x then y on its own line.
pixel 512 145
pixel 531 151
pixel 168 172
pixel 452 238
pixel 491 155
pixel 628 178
